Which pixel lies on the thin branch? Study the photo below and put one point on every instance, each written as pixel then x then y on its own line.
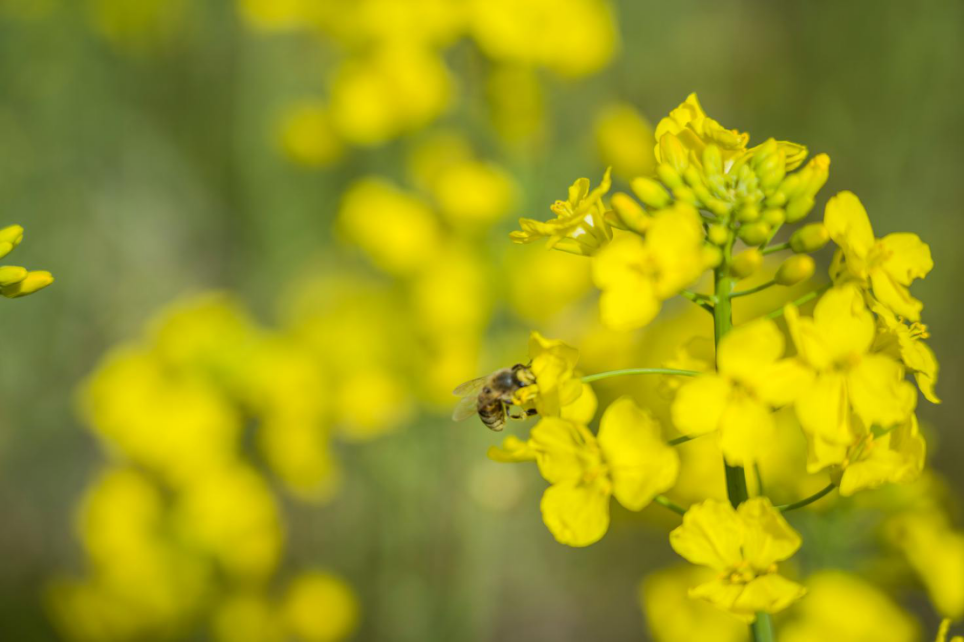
pixel 753 290
pixel 639 371
pixel 807 500
pixel 663 500
pixel 682 439
pixel 776 314
pixel 779 247
pixel 701 300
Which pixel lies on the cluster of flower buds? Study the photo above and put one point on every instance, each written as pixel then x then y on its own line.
pixel 16 281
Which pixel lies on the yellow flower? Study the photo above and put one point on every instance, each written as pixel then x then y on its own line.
pixel 842 606
pixel 752 379
pixel 895 457
pixel 836 345
pixel 307 137
pixel 943 630
pixel 904 341
pixel 543 284
pixel 744 546
pixel 695 130
pixel 628 460
pixel 672 616
pixel 246 617
pixel 553 364
pixel 320 607
pixel 473 192
pixel 625 141
pixel 886 266
pixel 580 226
pixel 637 274
pixel 16 281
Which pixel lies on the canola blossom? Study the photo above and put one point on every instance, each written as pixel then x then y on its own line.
pixel 836 380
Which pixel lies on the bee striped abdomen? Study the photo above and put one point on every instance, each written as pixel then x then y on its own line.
pixel 492 414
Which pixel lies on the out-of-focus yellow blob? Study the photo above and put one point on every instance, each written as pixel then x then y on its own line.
pixel 370 403
pixel 246 617
pixel 300 455
pixel 625 141
pixel 474 192
pixel 279 15
pixel 307 137
pixel 936 552
pixel 672 615
pixel 542 284
pixel 434 154
pixel 137 26
pixel 397 230
pixel 516 101
pixel 320 607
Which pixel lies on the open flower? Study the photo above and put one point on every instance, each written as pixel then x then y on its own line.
pixel 16 281
pixel 892 457
pixel 836 345
pixel 752 379
pixel 744 546
pixel 637 274
pixel 580 226
pixel 886 266
pixel 553 364
pixel 628 460
pixel 695 130
pixel 904 341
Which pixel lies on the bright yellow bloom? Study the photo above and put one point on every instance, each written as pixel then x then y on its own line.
pixel 904 341
pixel 628 460
pixel 752 379
pixel 474 192
pixel 542 284
pixel 553 363
pixel 625 141
pixel 695 130
pixel 672 616
pixel 744 546
pixel 580 226
pixel 895 457
pixel 320 607
pixel 637 274
pixel 885 266
pixel 842 606
pixel 836 345
pixel 16 281
pixel 936 552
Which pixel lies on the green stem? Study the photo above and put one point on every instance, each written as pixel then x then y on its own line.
pixel 762 627
pixel 676 441
pixel 639 371
pixel 699 299
pixel 775 248
pixel 807 500
pixel 663 500
pixel 776 314
pixel 754 290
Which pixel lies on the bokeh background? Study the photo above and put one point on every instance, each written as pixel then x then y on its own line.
pixel 344 174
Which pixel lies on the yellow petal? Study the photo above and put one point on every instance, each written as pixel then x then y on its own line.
pixel 576 514
pixel 769 593
pixel 848 224
pixel 641 464
pixel 512 450
pixel 896 458
pixel 747 431
pixel 782 382
pixel 842 321
pixel 711 535
pixel 823 410
pixel 627 307
pixel 564 449
pixel 723 595
pixel 895 296
pixel 822 454
pixel 700 403
pixel 767 538
pixel 906 257
pixel 583 408
pixel 750 347
pixel 878 392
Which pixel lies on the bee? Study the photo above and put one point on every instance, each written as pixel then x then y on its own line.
pixel 491 396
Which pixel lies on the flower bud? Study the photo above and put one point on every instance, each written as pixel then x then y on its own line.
pixel 670 177
pixel 685 194
pixel 798 209
pixel 10 274
pixel 795 269
pixel 11 234
pixel 31 283
pixel 754 233
pixel 712 256
pixel 718 234
pixel 712 160
pixel 774 216
pixel 748 213
pixel 650 192
pixel 809 238
pixel 672 152
pixel 746 263
pixel 630 214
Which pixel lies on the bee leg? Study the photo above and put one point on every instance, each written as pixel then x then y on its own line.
pixel 508 412
pixel 531 411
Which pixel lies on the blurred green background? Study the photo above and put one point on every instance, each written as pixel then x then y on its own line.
pixel 145 171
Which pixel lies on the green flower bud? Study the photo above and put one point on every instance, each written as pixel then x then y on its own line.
pixel 685 194
pixel 630 213
pixel 798 209
pixel 692 176
pixel 31 283
pixel 712 256
pixel 670 177
pixel 650 192
pixel 673 153
pixel 718 207
pixel 795 269
pixel 809 238
pixel 718 234
pixel 712 160
pixel 774 216
pixel 776 199
pixel 748 213
pixel 10 274
pixel 755 233
pixel 746 263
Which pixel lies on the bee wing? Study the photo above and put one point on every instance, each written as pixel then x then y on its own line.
pixel 470 388
pixel 466 407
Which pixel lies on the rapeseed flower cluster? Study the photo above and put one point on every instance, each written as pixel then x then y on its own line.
pixel 16 281
pixel 829 396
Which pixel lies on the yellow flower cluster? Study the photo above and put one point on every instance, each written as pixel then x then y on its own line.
pixel 183 517
pixel 17 281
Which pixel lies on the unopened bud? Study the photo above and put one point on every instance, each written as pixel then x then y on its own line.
pixel 798 208
pixel 685 194
pixel 746 263
pixel 712 160
pixel 755 233
pixel 630 213
pixel 795 269
pixel 718 234
pixel 11 234
pixel 748 213
pixel 712 256
pixel 670 177
pixel 10 274
pixel 672 152
pixel 809 238
pixel 774 216
pixel 650 192
pixel 31 283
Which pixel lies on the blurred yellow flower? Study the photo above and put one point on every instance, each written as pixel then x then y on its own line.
pixel 744 546
pixel 753 378
pixel 835 344
pixel 842 606
pixel 474 192
pixel 306 135
pixel 516 102
pixel 320 607
pixel 936 552
pixel 637 274
pixel 885 266
pixel 138 26
pixel 896 457
pixel 625 141
pixel 246 617
pixel 672 616
pixel 553 363
pixel 580 226
pixel 16 281
pixel 553 282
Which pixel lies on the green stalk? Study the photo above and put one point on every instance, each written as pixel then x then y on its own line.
pixel 762 629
